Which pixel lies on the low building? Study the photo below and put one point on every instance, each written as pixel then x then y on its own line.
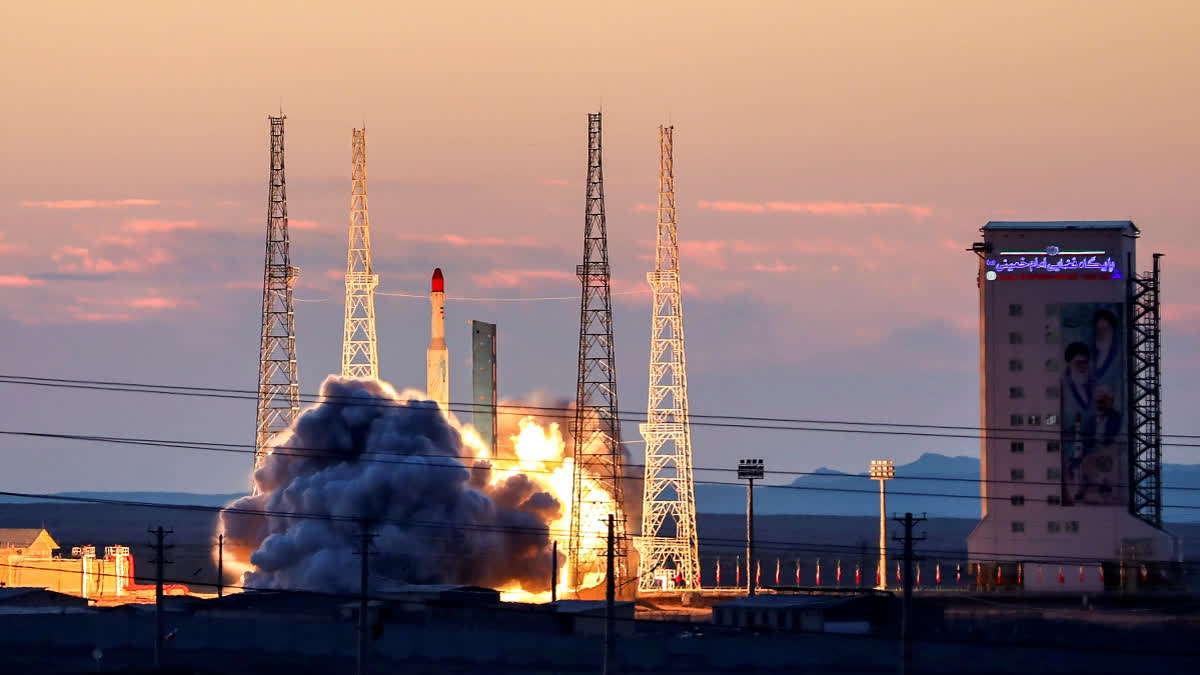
pixel 805 613
pixel 29 558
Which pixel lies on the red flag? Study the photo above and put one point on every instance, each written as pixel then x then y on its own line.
pixel 899 579
pixel 1020 574
pixel 777 571
pixel 998 577
pixel 1100 571
pixel 797 572
pixel 937 573
pixel 839 573
pixel 1082 579
pixel 718 571
pixel 918 575
pixel 1061 578
pixel 1145 572
pixel 737 574
pixel 818 571
pixel 877 581
pixel 957 574
pixel 858 575
pixel 758 574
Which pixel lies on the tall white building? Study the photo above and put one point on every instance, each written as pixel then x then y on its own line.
pixel 1055 379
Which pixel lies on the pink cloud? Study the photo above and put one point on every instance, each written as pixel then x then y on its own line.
pixel 19 281
pixel 78 260
pixel 461 241
pixel 732 207
pixel 303 224
pixel 748 247
pixel 77 204
pixel 11 248
pixel 519 278
pixel 777 268
pixel 828 208
pixel 332 274
pixel 102 317
pixel 118 240
pixel 149 302
pixel 145 226
pixel 825 247
pixel 555 181
pixel 822 208
pixel 706 253
pixel 645 208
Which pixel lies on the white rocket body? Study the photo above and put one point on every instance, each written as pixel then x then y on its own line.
pixel 437 374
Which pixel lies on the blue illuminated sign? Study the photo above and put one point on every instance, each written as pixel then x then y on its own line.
pixel 1052 264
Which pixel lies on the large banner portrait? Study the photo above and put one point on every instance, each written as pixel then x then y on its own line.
pixel 1094 429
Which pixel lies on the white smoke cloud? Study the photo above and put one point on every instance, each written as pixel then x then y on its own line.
pixel 365 451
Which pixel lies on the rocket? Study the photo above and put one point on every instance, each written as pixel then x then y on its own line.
pixel 437 380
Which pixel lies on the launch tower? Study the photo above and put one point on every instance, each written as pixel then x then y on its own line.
pixel 596 428
pixel 278 383
pixel 668 545
pixel 360 356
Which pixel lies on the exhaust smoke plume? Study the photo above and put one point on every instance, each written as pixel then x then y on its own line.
pixel 439 514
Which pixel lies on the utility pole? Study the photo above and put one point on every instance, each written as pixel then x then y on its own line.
pixel 160 559
pixel 748 470
pixel 220 565
pixel 610 588
pixel 364 550
pixel 906 609
pixel 554 572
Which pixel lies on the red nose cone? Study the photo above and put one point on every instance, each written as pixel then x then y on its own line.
pixel 439 286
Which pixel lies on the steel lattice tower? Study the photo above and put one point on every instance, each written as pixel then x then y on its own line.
pixel 360 355
pixel 668 540
pixel 278 383
pixel 596 428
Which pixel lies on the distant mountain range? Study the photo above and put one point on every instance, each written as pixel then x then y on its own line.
pixel 921 487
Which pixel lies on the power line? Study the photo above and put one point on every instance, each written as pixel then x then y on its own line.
pixel 390 458
pixel 769 423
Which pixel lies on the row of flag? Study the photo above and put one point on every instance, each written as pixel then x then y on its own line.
pixel 937 573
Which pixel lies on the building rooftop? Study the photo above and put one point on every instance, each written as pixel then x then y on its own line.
pixel 21 537
pixel 1060 225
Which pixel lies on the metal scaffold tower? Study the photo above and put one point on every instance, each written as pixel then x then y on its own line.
pixel 1145 387
pixel 278 383
pixel 360 355
pixel 668 546
pixel 597 430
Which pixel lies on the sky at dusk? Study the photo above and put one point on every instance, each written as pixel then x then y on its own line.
pixel 833 162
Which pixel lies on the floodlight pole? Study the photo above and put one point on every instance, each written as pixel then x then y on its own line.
pixel 748 470
pixel 882 470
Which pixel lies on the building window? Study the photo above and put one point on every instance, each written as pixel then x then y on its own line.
pixel 1017 474
pixel 1015 365
pixel 1052 446
pixel 1053 526
pixel 1017 500
pixel 1071 526
pixel 1016 420
pixel 1035 420
pixel 1016 392
pixel 1052 391
pixel 1054 499
pixel 1051 310
pixel 1051 420
pixel 1053 474
pixel 1017 446
pixel 1015 338
pixel 1018 526
pixel 1052 365
pixel 1015 310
